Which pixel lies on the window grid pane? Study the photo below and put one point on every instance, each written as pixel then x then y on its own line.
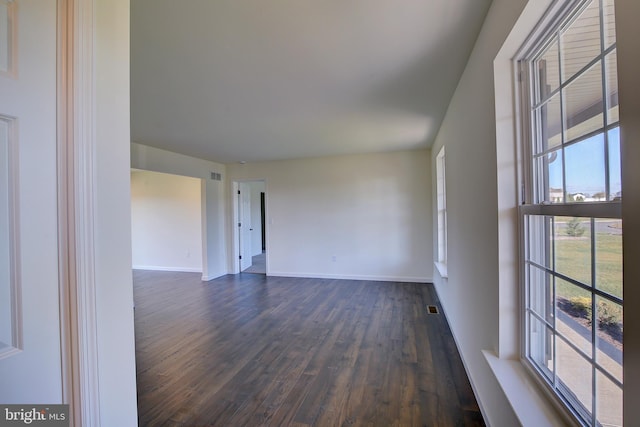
pixel 548 118
pixel 608 256
pixel 583 105
pixel 585 174
pixel 573 308
pixel 549 182
pixel 573 270
pixel 615 177
pixel 572 244
pixel 611 76
pixel 609 337
pixel 540 346
pixel 608 401
pixel 574 379
pixel 580 42
pixel 548 71
pixel 609 23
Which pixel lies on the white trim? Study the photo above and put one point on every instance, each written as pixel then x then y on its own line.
pixel 442 269
pixel 235 233
pixel 12 42
pixel 234 244
pixel 587 209
pixel 527 399
pixel 208 278
pixel 14 239
pixel 7 350
pixel 204 243
pixel 85 177
pixel 162 268
pixel 441 211
pixel 15 283
pixel 77 212
pixel 406 279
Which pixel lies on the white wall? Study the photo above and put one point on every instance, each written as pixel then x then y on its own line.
pixel 371 212
pixel 470 296
pixel 166 228
pixel 5 239
pixel 213 199
pixel 481 294
pixel 114 289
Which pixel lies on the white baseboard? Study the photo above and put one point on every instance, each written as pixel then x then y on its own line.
pixel 161 268
pixel 406 279
pixel 213 276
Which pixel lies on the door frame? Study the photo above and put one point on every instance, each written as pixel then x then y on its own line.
pixel 76 148
pixel 245 231
pixel 236 250
pixel 235 233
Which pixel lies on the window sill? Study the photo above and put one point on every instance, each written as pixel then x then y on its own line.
pixel 442 269
pixel 526 398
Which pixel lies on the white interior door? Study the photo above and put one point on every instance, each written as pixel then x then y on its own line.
pixel 244 205
pixel 30 366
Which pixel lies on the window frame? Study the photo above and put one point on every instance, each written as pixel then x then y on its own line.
pixel 557 19
pixel 441 213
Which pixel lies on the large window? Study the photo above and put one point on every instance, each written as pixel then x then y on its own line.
pixel 570 217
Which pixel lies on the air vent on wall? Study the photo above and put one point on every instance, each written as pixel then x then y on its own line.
pixel 432 309
pixel 216 176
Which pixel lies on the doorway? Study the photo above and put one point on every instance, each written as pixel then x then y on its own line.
pixel 250 236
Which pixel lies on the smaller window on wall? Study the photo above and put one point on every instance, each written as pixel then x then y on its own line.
pixel 441 201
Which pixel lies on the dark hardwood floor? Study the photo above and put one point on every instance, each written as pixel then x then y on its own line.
pixel 251 350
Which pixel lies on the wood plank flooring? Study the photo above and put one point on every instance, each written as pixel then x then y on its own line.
pixel 258 264
pixel 251 350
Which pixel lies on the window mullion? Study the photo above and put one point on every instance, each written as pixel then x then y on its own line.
pixel 523 71
pixel 605 109
pixel 611 210
pixel 553 302
pixel 562 119
pixel 594 322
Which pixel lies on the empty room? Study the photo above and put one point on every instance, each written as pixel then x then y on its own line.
pixel 320 213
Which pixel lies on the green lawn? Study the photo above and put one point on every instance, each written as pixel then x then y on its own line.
pixel 573 259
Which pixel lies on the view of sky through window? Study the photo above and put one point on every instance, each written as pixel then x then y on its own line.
pixel 586 171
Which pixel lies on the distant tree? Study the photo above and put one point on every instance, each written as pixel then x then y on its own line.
pixel 575 228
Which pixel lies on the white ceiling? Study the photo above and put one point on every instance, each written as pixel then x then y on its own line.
pixel 252 80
